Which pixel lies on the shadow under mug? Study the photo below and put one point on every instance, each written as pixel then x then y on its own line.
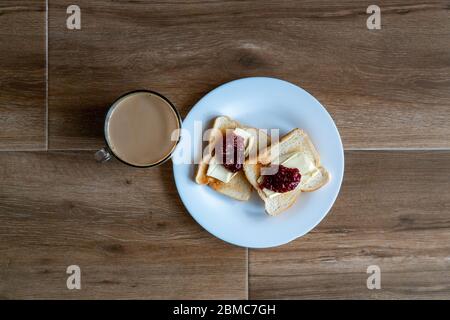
pixel 106 153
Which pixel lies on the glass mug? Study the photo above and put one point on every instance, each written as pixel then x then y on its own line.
pixel 142 129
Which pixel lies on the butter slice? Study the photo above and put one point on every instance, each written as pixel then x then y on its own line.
pixel 248 139
pixel 305 179
pixel 219 172
pixel 241 132
pixel 301 161
pixel 298 160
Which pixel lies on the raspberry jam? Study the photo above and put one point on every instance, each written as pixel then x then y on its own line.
pixel 233 152
pixel 286 179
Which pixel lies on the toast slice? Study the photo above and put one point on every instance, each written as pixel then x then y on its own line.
pixel 238 187
pixel 295 141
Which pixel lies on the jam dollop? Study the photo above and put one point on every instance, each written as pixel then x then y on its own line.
pixel 233 152
pixel 286 179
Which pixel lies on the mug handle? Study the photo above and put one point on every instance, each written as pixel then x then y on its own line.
pixel 103 155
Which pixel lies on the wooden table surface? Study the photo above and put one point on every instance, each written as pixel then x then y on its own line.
pixel 388 91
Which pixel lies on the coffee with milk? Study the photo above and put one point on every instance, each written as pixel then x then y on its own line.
pixel 139 127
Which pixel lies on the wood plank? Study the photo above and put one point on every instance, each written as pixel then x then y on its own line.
pixel 384 88
pixel 393 211
pixel 22 76
pixel 125 227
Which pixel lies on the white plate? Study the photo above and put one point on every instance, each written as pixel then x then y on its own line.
pixel 262 103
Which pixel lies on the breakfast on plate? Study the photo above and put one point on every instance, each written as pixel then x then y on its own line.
pixel 278 172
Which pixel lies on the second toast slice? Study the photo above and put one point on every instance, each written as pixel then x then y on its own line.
pixel 296 141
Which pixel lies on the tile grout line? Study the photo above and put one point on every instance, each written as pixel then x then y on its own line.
pixel 345 150
pixel 398 149
pixel 46 75
pixel 48 150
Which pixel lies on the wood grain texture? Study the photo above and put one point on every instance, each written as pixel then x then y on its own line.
pixel 22 75
pixel 384 88
pixel 125 227
pixel 393 211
